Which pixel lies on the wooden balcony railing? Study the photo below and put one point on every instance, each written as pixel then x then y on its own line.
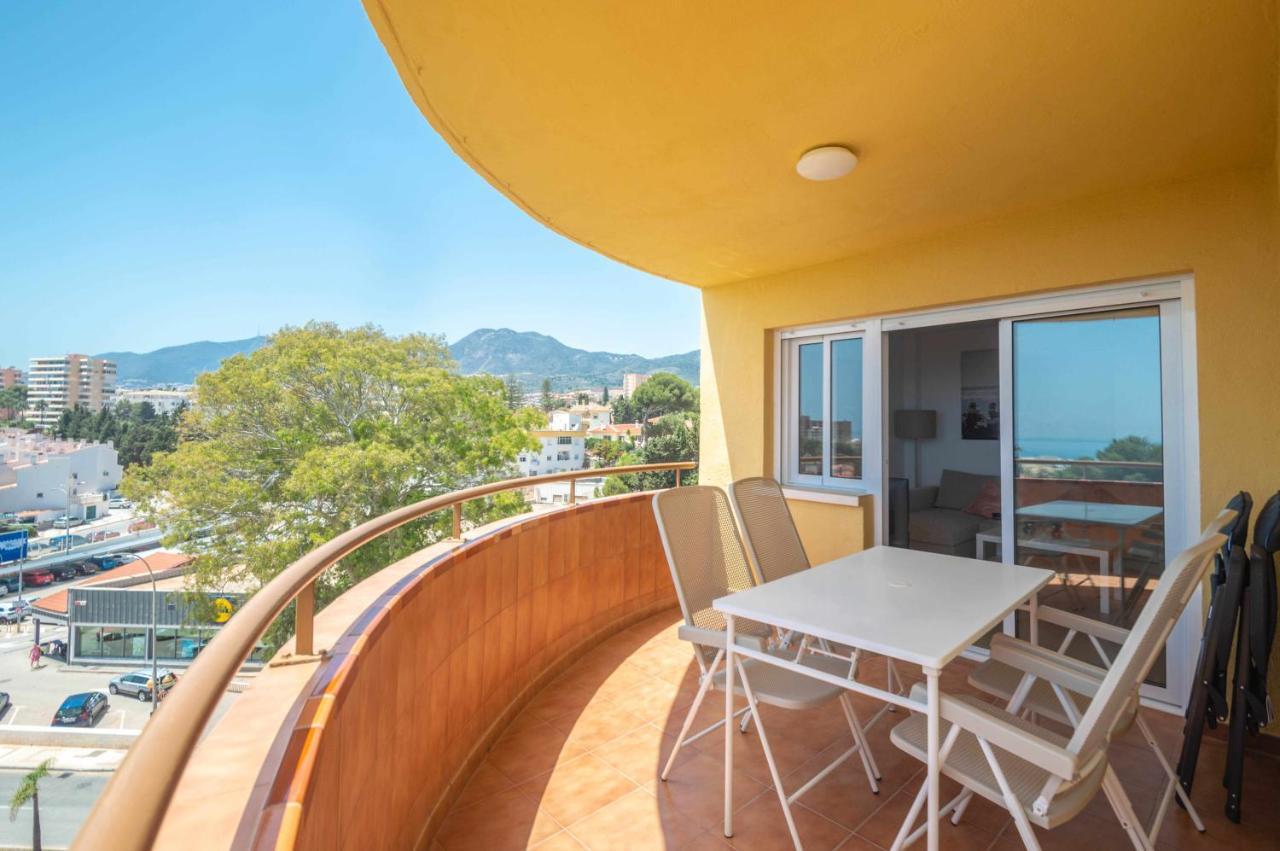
pixel 132 807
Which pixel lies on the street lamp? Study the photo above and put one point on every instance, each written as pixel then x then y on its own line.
pixel 155 664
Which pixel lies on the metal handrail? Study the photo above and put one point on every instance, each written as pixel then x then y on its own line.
pixel 128 813
pixel 1088 462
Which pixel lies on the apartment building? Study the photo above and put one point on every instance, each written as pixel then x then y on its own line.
pixel 61 382
pixel 49 477
pixel 9 376
pixel 562 446
pixel 632 380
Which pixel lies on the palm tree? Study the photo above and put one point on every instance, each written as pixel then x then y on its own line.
pixel 29 790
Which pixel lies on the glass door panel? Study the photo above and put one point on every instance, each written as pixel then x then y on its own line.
pixel 1089 465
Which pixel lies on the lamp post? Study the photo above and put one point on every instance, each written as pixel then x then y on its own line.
pixel 155 664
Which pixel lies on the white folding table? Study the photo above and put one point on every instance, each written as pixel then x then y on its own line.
pixel 918 607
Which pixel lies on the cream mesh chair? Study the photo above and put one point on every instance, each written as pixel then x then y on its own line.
pixel 775 546
pixel 1041 777
pixel 707 562
pixel 1001 679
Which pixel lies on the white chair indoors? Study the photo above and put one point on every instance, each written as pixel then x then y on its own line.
pixel 1039 776
pixel 774 545
pixel 707 561
pixel 1001 674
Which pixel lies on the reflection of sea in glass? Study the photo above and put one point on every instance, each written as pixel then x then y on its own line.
pixel 1089 465
pixel 809 424
pixel 846 409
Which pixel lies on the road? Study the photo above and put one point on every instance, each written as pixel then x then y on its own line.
pixel 65 801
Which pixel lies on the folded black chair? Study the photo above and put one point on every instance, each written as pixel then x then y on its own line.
pixel 1251 704
pixel 1208 703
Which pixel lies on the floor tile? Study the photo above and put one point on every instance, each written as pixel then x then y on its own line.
pixel 577 788
pixel 635 822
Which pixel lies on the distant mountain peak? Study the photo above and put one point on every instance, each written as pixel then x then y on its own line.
pixel 531 357
pixel 528 355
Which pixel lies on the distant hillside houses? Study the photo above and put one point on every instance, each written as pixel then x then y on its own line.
pixel 562 447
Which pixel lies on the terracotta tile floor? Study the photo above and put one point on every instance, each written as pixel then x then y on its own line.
pixel 579 769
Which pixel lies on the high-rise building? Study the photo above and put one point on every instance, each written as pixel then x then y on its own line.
pixel 56 384
pixel 632 380
pixel 9 376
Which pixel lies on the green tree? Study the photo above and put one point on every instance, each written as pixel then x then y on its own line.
pixel 664 393
pixel 624 411
pixel 13 400
pixel 548 401
pixel 604 395
pixel 136 430
pixel 29 791
pixel 515 393
pixel 318 431
pixel 674 437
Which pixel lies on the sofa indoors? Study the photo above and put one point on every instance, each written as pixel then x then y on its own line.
pixel 942 517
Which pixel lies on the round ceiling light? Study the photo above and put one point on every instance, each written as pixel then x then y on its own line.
pixel 826 163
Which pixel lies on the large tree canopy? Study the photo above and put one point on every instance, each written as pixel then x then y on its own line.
pixel 317 432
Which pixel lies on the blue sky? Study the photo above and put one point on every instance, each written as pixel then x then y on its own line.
pixel 178 172
pixel 1091 380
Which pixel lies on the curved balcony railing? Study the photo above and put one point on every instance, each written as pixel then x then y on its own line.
pixel 133 806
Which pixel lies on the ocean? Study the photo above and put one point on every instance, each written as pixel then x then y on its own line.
pixel 1053 447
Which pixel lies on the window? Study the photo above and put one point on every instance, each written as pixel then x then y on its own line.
pixel 564 441
pixel 562 456
pixel 822 398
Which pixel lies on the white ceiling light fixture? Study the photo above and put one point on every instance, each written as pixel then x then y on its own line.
pixel 828 162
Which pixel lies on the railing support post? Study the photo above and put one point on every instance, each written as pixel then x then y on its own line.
pixel 305 615
pixel 677 477
pixel 457 521
pixel 573 491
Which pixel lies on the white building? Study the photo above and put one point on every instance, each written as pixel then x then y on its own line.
pixel 594 415
pixel 163 401
pixel 562 446
pixel 56 384
pixel 49 477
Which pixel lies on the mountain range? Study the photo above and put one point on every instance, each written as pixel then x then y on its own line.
pixel 529 356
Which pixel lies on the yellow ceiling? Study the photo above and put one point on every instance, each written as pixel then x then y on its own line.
pixel 665 133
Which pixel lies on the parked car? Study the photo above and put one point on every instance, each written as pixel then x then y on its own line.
pixel 4 702
pixel 138 683
pixel 85 568
pixel 119 502
pixel 63 572
pixel 13 611
pixel 81 710
pixel 38 576
pixel 65 522
pixel 9 584
pixel 107 562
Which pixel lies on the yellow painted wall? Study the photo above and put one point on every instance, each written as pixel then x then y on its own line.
pixel 1222 228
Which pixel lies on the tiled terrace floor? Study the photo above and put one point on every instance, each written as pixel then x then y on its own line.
pixel 579 769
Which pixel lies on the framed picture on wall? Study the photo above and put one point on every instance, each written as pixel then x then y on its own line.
pixel 980 395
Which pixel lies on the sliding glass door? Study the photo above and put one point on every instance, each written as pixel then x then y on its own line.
pixel 1092 468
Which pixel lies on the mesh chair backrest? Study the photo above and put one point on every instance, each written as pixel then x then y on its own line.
pixel 1146 639
pixel 767 527
pixel 703 550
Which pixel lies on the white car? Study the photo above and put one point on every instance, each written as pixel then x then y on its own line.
pixel 65 522
pixel 14 611
pixel 119 502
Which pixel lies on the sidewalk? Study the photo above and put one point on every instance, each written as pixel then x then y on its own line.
pixel 64 759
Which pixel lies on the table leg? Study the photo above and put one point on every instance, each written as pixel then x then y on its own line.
pixel 1104 567
pixel 730 661
pixel 934 766
pixel 1033 617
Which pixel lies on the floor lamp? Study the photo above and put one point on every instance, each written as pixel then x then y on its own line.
pixel 915 425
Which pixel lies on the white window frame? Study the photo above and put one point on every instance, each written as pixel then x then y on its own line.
pixel 786 462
